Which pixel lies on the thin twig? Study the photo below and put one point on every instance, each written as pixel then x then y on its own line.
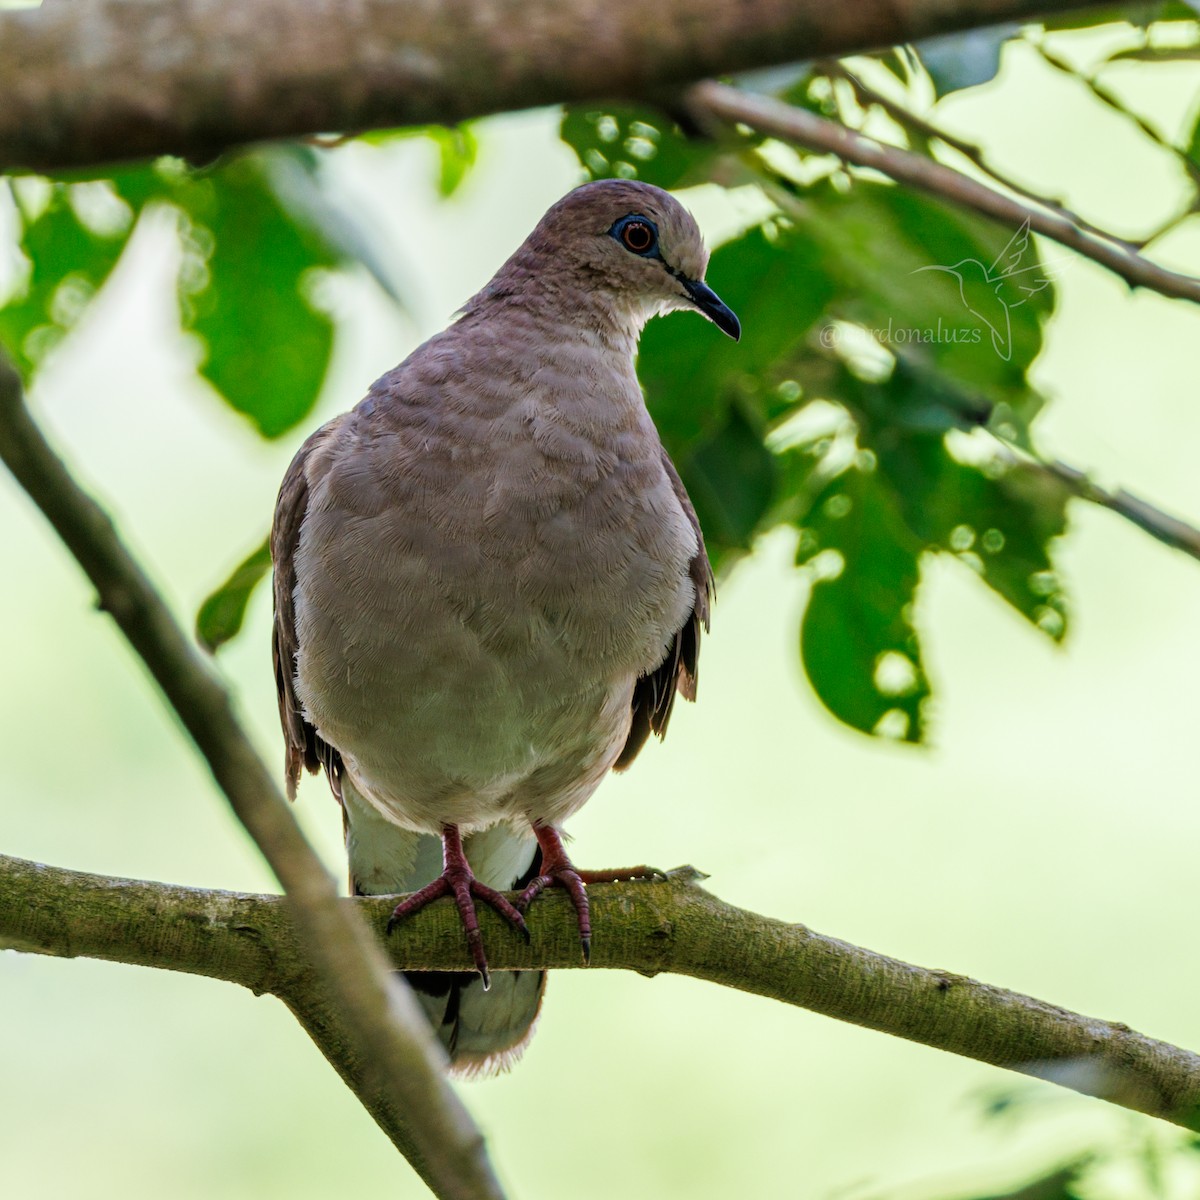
pixel 803 128
pixel 1167 529
pixel 674 926
pixel 1171 531
pixel 1112 100
pixel 923 127
pixel 394 1048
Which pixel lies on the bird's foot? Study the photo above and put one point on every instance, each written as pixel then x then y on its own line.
pixel 558 871
pixel 457 880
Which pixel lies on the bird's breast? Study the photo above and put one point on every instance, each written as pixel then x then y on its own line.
pixel 488 583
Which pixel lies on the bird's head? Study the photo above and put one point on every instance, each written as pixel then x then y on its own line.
pixel 634 243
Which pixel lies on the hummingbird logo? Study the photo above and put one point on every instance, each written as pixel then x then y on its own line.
pixel 990 293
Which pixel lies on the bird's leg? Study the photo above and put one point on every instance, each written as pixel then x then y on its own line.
pixel 457 880
pixel 558 869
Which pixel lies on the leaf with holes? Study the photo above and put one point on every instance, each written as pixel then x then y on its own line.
pixel 857 641
pixel 268 342
pixel 962 297
pixel 621 141
pixel 69 257
pixel 998 518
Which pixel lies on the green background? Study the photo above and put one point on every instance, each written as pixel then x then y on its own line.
pixel 1045 841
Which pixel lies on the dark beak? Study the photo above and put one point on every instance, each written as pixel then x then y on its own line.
pixel 713 307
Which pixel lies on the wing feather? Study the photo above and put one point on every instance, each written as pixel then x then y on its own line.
pixel 304 747
pixel 654 694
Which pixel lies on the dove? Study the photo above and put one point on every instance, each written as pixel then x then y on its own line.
pixel 490 585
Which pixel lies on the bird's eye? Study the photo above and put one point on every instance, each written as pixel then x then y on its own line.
pixel 638 236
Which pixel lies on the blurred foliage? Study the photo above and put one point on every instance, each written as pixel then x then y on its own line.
pixel 961 60
pixel 879 402
pixel 245 283
pixel 1139 1158
pixel 222 613
pixel 855 293
pixel 456 147
pixel 68 256
pixel 244 294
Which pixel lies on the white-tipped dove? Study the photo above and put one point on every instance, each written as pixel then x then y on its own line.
pixel 490 583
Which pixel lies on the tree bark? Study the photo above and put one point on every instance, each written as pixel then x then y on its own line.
pixel 646 927
pixel 97 81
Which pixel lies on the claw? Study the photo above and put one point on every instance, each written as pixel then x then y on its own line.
pixel 457 880
pixel 558 871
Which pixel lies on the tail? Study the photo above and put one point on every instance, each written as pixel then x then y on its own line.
pixel 483 1032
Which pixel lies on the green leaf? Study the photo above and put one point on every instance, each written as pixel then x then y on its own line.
pixel 1002 525
pixel 929 281
pixel 268 344
pixel 457 148
pixel 857 641
pixel 998 518
pixel 623 141
pixel 730 477
pixel 457 151
pixel 691 371
pixel 223 611
pixel 1193 146
pixel 144 183
pixel 69 261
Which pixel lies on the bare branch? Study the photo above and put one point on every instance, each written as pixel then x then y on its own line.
pixel 103 80
pixel 1171 531
pixel 924 128
pixel 1111 100
pixel 392 1045
pixel 647 927
pixel 802 128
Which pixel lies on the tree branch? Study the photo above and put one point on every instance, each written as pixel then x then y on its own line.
pixel 103 80
pixel 803 128
pixel 921 127
pixel 1111 100
pixel 1171 531
pixel 385 1039
pixel 647 927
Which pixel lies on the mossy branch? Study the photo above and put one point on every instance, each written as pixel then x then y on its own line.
pixel 674 926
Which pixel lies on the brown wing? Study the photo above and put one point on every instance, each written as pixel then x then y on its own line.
pixel 654 694
pixel 304 746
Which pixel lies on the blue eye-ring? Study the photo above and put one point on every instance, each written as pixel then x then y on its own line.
pixel 637 233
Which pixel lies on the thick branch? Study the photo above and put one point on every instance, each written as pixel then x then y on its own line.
pixel 390 1040
pixel 802 128
pixel 102 80
pixel 648 927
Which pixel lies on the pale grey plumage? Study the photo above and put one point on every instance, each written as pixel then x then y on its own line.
pixel 482 1031
pixel 489 579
